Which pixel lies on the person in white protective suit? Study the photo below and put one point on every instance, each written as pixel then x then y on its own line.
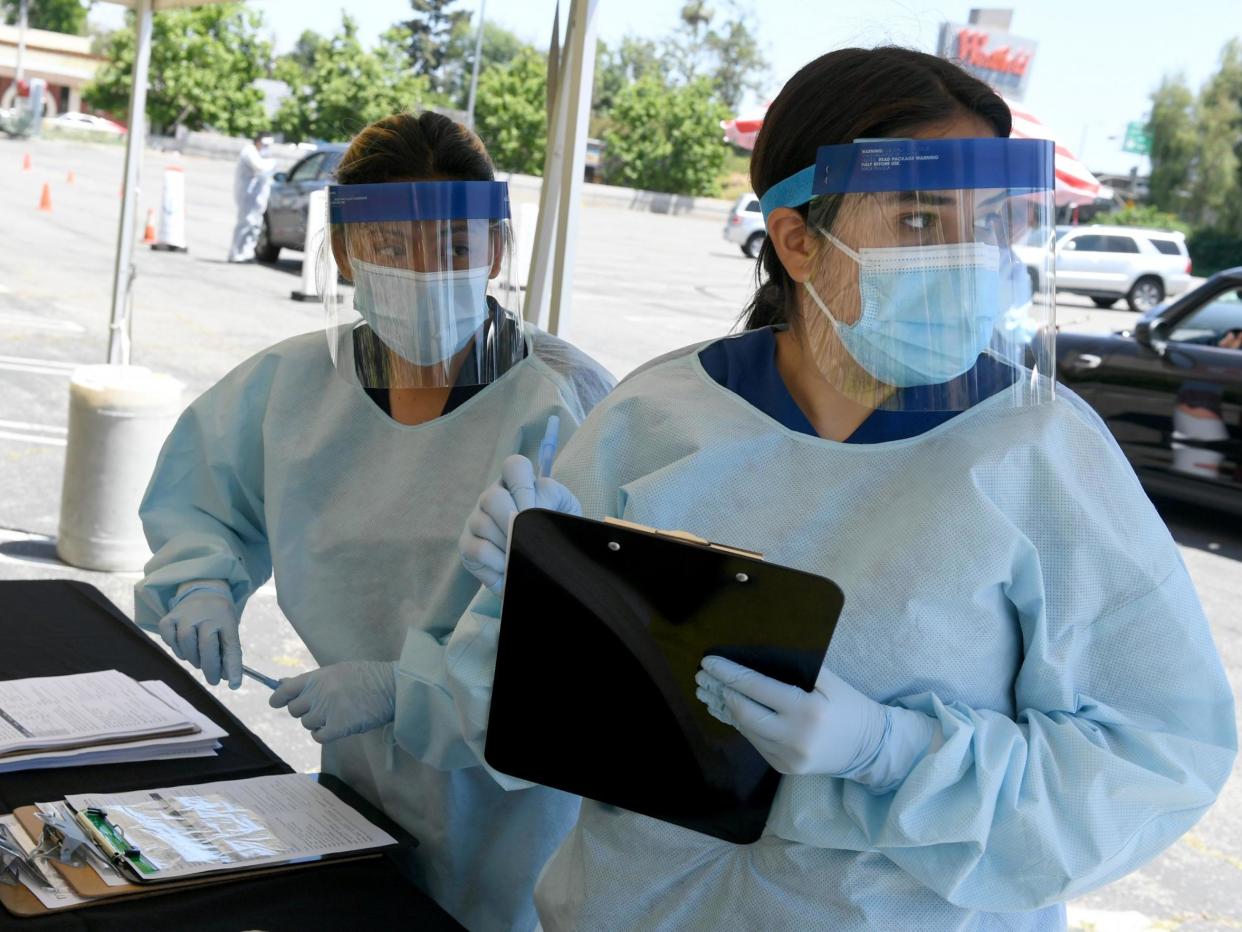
pixel 347 471
pixel 1022 700
pixel 252 185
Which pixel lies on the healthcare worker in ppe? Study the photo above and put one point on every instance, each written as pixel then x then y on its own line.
pixel 347 471
pixel 1022 700
pixel 252 186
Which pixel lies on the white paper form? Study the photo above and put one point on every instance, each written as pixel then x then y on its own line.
pixel 208 827
pixel 80 710
pixel 60 895
pixel 196 744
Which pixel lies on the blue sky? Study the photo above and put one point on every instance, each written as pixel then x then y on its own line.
pixel 1096 63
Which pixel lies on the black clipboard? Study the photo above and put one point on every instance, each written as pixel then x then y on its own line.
pixel 602 630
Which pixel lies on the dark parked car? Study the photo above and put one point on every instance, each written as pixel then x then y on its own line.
pixel 1170 390
pixel 284 224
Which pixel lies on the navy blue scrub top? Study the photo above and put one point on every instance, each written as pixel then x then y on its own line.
pixel 746 365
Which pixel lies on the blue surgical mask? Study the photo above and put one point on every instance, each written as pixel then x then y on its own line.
pixel 927 311
pixel 424 317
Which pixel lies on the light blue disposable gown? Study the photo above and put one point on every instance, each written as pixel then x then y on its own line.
pixel 1003 573
pixel 284 467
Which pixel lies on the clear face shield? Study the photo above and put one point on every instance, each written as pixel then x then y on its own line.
pixel 415 281
pixel 931 276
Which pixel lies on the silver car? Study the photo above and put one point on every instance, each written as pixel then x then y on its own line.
pixel 745 225
pixel 284 224
pixel 1107 263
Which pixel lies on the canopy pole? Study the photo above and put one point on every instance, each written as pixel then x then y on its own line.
pixel 580 37
pixel 123 272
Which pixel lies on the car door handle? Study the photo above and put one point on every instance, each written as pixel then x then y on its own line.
pixel 1085 361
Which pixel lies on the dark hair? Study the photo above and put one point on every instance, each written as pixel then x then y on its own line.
pixel 842 96
pixel 425 146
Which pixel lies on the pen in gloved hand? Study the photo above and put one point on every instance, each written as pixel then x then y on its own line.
pixel 260 677
pixel 547 446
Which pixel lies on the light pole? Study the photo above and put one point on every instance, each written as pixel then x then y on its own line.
pixel 21 40
pixel 474 74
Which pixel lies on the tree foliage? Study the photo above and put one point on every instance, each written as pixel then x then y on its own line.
pixel 1143 215
pixel 337 86
pixel 511 112
pixel 1197 146
pixel 666 138
pixel 430 45
pixel 722 49
pixel 53 15
pixel 204 62
pixel 500 47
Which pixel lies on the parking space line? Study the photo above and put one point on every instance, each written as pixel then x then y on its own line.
pixel 34 438
pixel 31 322
pixel 37 366
pixel 26 425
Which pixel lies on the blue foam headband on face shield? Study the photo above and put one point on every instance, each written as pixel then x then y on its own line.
pixel 418 200
pixel 876 165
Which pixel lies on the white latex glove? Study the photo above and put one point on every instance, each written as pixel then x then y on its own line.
pixel 833 730
pixel 201 628
pixel 340 699
pixel 484 544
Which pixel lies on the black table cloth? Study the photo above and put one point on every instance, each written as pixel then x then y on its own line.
pixel 56 627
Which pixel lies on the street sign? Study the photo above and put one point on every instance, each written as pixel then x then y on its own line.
pixel 1137 140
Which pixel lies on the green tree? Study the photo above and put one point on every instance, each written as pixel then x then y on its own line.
pixel 500 47
pixel 54 15
pixel 1174 143
pixel 344 87
pixel 204 63
pixel 722 49
pixel 1218 175
pixel 431 31
pixel 1143 215
pixel 633 59
pixel 510 112
pixel 666 138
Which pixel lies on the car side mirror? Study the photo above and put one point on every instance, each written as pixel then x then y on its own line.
pixel 1147 332
pixel 281 177
pixel 1069 247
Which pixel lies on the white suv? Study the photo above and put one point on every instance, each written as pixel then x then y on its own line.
pixel 745 225
pixel 1108 263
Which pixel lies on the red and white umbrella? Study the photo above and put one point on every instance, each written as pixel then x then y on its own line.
pixel 1075 185
pixel 742 130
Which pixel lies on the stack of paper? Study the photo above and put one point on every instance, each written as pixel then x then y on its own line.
pixel 97 718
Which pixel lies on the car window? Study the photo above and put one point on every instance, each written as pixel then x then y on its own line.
pixel 1122 244
pixel 753 207
pixel 330 161
pixel 1166 246
pixel 307 168
pixel 1090 243
pixel 1217 323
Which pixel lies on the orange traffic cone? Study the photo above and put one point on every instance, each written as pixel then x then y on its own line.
pixel 148 235
pixel 70 179
pixel 45 199
pixel 26 166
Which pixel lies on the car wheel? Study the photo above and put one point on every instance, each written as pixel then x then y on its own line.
pixel 753 244
pixel 264 249
pixel 1103 302
pixel 1147 292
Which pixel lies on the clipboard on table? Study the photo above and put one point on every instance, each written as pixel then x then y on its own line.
pixel 603 627
pixel 85 881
